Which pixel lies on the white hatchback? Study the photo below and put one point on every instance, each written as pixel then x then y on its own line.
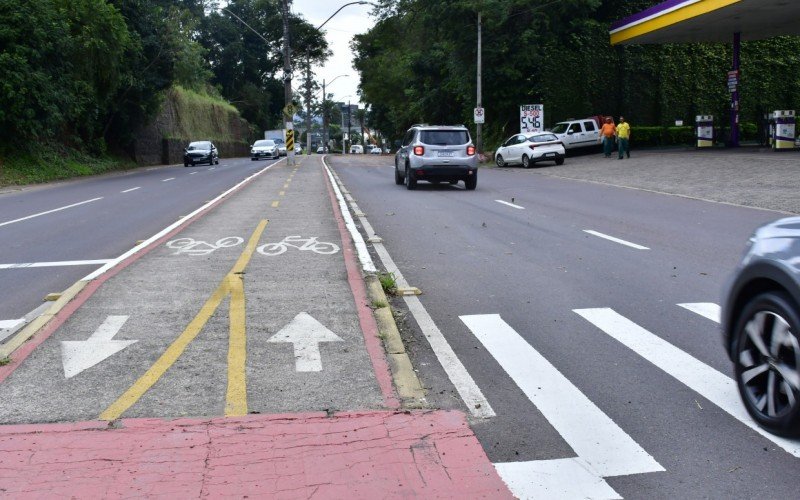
pixel 526 150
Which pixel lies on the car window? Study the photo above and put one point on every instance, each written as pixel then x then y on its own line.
pixel 264 143
pixel 542 138
pixel 589 126
pixel 444 137
pixel 278 141
pixel 521 139
pixel 509 141
pixel 560 128
pixel 408 138
pixel 575 127
pixel 199 145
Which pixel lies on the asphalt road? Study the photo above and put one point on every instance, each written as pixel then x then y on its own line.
pixel 71 224
pixel 512 264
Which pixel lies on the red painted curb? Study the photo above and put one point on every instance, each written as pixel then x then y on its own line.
pixel 369 326
pixel 423 454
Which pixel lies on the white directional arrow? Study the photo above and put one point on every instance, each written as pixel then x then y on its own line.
pixel 80 355
pixel 305 333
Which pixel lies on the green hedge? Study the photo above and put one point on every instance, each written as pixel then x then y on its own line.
pixel 684 136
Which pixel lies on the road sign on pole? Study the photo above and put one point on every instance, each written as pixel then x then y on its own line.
pixel 479 115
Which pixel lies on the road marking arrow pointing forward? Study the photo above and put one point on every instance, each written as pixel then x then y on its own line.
pixel 80 355
pixel 306 333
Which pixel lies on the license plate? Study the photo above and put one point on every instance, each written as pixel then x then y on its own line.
pixel 549 154
pixel 445 154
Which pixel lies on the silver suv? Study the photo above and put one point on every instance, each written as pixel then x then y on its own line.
pixel 436 153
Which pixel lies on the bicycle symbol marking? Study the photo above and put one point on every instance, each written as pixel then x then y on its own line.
pixel 194 247
pixel 308 244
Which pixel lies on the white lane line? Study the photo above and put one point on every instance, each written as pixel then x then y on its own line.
pixel 701 378
pixel 469 391
pixel 563 478
pixel 705 309
pixel 169 228
pixel 63 263
pixel 168 179
pixel 518 207
pixel 358 241
pixel 212 168
pixel 7 324
pixel 601 445
pixel 192 173
pixel 50 211
pixel 615 240
pixel 131 189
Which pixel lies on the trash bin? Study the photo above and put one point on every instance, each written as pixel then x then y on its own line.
pixel 704 131
pixel 784 130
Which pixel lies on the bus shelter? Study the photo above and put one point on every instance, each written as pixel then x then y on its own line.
pixel 686 21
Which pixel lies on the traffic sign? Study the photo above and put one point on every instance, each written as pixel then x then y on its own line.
pixel 289 110
pixel 479 115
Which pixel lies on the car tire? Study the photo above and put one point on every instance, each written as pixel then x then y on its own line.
pixel 216 162
pixel 499 160
pixel 398 179
pixel 185 164
pixel 471 182
pixel 560 160
pixel 411 183
pixel 766 367
pixel 526 162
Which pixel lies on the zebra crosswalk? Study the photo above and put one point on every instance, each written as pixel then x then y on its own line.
pixel 605 450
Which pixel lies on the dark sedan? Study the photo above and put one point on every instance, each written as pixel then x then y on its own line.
pixel 761 324
pixel 200 152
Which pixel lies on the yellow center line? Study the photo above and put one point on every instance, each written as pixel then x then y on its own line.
pixel 286 186
pixel 275 204
pixel 281 193
pixel 237 392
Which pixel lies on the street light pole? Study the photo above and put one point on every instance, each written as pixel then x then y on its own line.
pixel 480 104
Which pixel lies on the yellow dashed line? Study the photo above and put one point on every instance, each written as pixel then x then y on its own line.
pixel 286 186
pixel 275 204
pixel 281 193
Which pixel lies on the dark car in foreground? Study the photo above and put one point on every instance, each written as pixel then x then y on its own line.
pixel 761 326
pixel 200 152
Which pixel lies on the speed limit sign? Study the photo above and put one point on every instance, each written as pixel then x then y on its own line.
pixel 531 118
pixel 479 115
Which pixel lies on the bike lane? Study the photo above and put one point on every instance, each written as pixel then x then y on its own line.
pixel 255 308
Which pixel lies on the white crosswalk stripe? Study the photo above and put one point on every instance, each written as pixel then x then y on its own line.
pixel 705 309
pixel 701 378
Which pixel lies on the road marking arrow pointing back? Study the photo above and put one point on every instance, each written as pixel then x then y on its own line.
pixel 306 333
pixel 77 356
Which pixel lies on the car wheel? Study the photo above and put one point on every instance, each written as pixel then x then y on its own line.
pixel 216 161
pixel 410 183
pixel 397 178
pixel 471 182
pixel 500 161
pixel 767 362
pixel 560 161
pixel 185 164
pixel 526 162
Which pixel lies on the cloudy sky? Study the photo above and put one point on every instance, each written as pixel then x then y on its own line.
pixel 352 20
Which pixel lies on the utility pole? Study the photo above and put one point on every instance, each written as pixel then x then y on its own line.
pixel 480 104
pixel 324 119
pixel 287 81
pixel 308 103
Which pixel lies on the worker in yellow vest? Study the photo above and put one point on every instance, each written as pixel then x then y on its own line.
pixel 623 137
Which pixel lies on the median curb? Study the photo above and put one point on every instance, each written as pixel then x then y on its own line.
pixel 408 386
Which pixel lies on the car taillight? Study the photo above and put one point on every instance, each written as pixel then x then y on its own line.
pixel 470 150
pixel 419 150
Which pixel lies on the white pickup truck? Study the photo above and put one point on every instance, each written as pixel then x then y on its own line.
pixel 578 133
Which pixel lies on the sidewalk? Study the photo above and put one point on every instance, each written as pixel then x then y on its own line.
pixel 249 324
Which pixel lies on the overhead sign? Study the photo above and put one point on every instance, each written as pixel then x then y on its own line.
pixel 479 116
pixel 531 118
pixel 305 333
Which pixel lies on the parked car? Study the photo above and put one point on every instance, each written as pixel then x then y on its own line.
pixel 575 134
pixel 265 148
pixel 356 149
pixel 526 150
pixel 438 153
pixel 320 150
pixel 298 149
pixel 761 326
pixel 375 150
pixel 200 152
pixel 281 146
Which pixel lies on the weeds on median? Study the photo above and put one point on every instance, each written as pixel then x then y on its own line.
pixel 388 283
pixel 379 304
pixel 5 361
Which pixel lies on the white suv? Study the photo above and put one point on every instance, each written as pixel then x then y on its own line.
pixel 436 153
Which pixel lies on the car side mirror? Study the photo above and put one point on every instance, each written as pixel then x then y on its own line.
pixel 570 132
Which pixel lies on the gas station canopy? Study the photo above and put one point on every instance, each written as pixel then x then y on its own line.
pixel 676 21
